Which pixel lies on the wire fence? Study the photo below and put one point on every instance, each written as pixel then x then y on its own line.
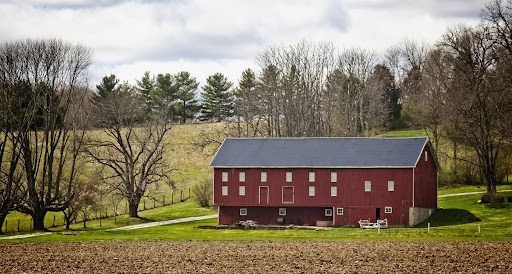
pixel 26 224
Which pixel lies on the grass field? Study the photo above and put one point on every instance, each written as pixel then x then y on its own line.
pixel 457 219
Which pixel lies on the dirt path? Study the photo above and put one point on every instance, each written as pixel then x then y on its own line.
pixel 466 193
pixel 25 236
pixel 168 222
pixel 259 257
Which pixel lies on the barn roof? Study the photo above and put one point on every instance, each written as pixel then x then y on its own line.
pixel 320 152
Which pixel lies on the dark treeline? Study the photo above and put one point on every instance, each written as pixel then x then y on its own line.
pixel 64 147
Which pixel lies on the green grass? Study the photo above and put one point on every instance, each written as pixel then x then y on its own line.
pixel 457 219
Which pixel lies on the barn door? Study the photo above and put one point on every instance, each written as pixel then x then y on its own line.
pixel 288 195
pixel 263 195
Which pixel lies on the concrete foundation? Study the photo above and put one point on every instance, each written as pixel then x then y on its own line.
pixel 418 215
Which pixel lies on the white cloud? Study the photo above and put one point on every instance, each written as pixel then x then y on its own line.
pixel 204 36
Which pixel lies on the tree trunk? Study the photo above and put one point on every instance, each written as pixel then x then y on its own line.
pixel 38 217
pixel 133 208
pixel 2 219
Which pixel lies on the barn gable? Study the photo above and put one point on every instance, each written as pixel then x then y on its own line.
pixel 320 152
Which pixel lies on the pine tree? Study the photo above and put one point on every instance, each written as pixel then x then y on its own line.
pixel 165 93
pixel 108 85
pixel 186 106
pixel 217 98
pixel 146 87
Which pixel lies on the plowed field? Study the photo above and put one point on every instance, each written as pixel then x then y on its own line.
pixel 258 257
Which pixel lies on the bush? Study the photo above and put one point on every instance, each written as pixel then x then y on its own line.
pixel 509 199
pixel 492 198
pixel 202 192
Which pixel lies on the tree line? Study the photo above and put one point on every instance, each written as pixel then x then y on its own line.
pixel 64 146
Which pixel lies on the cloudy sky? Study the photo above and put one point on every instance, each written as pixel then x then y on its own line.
pixel 208 36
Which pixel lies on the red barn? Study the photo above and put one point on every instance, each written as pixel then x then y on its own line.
pixel 336 180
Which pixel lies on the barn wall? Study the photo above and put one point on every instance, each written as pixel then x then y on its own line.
pixel 270 215
pixel 351 194
pixel 425 181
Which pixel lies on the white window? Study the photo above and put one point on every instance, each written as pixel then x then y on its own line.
pixel 388 209
pixel 263 176
pixel 241 190
pixel 311 176
pixel 367 186
pixel 426 156
pixel 282 211
pixel 334 177
pixel 241 176
pixel 224 190
pixel 289 177
pixel 391 185
pixel 339 211
pixel 243 211
pixel 311 190
pixel 328 212
pixel 334 191
pixel 224 176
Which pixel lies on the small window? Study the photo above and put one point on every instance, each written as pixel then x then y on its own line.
pixel 391 185
pixel 334 191
pixel 328 212
pixel 311 176
pixel 263 176
pixel 224 190
pixel 388 209
pixel 282 211
pixel 334 177
pixel 243 211
pixel 339 211
pixel 426 156
pixel 241 176
pixel 241 190
pixel 367 186
pixel 289 177
pixel 311 191
pixel 224 176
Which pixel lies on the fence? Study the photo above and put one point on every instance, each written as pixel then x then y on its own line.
pixel 25 224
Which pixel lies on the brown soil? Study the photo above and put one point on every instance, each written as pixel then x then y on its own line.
pixel 258 257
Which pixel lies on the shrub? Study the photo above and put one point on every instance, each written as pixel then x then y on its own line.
pixel 202 192
pixel 509 199
pixel 486 198
pixel 492 198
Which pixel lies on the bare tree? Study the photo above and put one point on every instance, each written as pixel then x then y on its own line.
pixel 131 145
pixel 52 73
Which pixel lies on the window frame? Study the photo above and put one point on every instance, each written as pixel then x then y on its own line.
pixel 290 179
pixel 426 156
pixel 240 192
pixel 335 188
pixel 261 176
pixel 225 176
pixel 338 211
pixel 334 179
pixel 241 176
pixel 388 209
pixel 328 214
pixel 391 186
pixel 241 212
pixel 282 211
pixel 367 186
pixel 225 190
pixel 311 191
pixel 311 176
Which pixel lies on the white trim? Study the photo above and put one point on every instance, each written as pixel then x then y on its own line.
pixel 326 210
pixel 311 176
pixel 286 177
pixel 335 173
pixel 240 192
pixel 426 156
pixel 367 186
pixel 391 183
pixel 223 178
pixel 240 211
pixel 317 167
pixel 333 216
pixel 240 176
pixel 281 209
pixel 386 209
pixel 261 176
pixel 293 195
pixel 222 190
pixel 421 153
pixel 335 188
pixel 259 194
pixel 413 187
pixel 342 211
pixel 309 191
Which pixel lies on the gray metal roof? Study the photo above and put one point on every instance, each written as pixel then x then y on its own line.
pixel 319 152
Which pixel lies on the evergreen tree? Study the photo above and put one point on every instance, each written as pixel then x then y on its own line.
pixel 217 98
pixel 165 93
pixel 186 105
pixel 146 87
pixel 108 85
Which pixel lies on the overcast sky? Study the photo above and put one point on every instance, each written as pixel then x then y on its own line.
pixel 208 36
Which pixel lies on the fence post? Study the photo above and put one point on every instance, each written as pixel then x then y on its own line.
pixel 163 199
pixel 18 225
pixel 181 195
pixel 478 228
pixel 6 226
pixel 100 221
pixel 125 208
pixel 428 227
pixel 189 192
pixel 154 201
pixel 172 198
pixel 53 223
pixel 144 204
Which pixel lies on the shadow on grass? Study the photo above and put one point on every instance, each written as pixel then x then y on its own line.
pixel 450 216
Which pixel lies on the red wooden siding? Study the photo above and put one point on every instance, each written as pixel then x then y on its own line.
pixel 425 181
